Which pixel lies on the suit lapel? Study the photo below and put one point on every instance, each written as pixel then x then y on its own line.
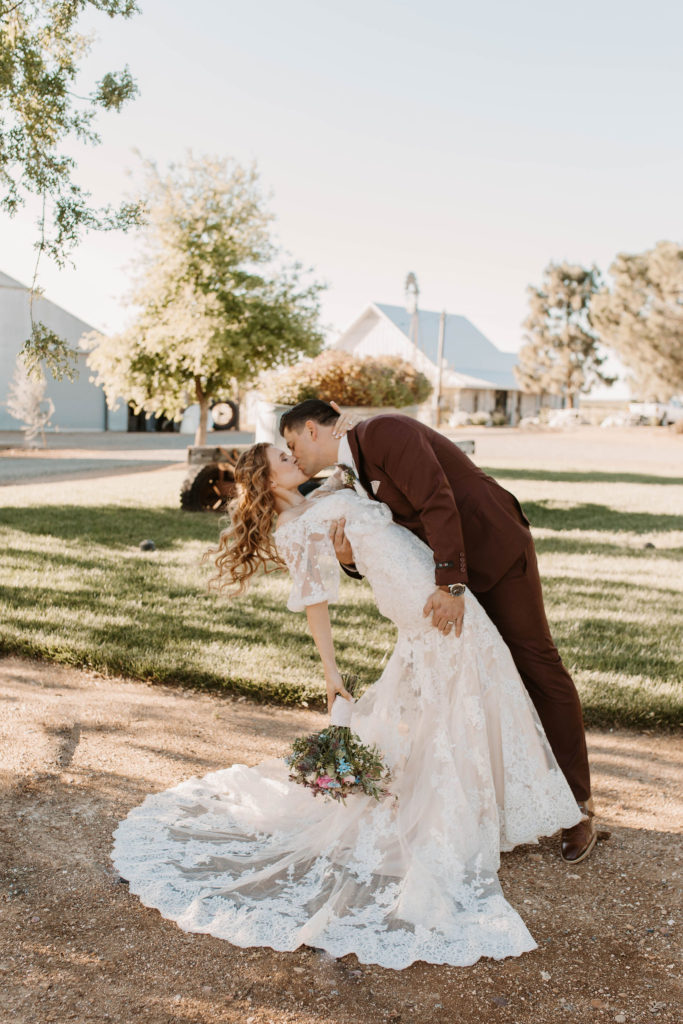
pixel 358 458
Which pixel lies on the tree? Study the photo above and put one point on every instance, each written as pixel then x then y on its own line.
pixel 560 355
pixel 641 317
pixel 27 403
pixel 217 302
pixel 40 53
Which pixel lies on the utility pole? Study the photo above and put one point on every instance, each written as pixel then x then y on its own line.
pixel 439 370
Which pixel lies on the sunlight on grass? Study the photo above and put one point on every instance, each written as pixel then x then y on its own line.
pixel 76 589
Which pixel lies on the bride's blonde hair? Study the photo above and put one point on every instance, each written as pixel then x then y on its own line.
pixel 247 543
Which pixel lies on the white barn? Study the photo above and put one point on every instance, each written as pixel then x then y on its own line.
pixel 79 405
pixel 476 376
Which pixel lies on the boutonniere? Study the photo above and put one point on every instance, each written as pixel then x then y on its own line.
pixel 348 476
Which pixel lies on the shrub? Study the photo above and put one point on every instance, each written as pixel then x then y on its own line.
pixel 458 418
pixel 480 419
pixel 498 418
pixel 348 380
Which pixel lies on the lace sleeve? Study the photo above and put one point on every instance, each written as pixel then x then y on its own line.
pixel 312 564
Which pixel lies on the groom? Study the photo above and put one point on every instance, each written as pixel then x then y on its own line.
pixel 480 538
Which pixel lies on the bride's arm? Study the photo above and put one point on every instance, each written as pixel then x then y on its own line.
pixel 319 624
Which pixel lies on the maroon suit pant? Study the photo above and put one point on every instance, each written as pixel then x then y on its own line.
pixel 515 606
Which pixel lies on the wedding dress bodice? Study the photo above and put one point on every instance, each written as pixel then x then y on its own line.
pixel 398 565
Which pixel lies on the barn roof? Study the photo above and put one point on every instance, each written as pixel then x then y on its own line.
pixel 466 350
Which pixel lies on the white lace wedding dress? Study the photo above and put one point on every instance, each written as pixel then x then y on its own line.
pixel 247 856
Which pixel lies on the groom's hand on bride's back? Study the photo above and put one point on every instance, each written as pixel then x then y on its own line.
pixel 342 548
pixel 447 612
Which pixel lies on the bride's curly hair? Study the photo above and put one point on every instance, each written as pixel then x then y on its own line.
pixel 247 542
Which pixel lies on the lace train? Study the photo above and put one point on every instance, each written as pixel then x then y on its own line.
pixel 248 856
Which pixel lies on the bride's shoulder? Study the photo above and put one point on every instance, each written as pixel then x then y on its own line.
pixel 289 515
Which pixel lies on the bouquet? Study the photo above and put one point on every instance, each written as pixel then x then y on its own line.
pixel 335 763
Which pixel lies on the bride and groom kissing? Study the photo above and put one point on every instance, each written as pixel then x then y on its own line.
pixel 480 538
pixel 478 719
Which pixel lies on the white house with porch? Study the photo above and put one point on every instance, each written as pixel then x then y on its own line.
pixel 476 376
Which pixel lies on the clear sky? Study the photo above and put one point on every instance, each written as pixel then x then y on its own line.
pixel 468 142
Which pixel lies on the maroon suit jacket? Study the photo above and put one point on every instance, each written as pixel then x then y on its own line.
pixel 433 489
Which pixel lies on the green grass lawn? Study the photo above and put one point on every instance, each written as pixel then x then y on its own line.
pixel 75 588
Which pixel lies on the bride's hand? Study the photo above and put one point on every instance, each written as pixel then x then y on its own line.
pixel 344 423
pixel 335 685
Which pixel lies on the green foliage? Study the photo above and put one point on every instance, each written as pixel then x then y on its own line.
pixel 641 317
pixel 216 301
pixel 45 348
pixel 560 355
pixel 40 53
pixel 349 380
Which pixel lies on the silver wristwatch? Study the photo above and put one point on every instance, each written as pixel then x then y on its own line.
pixel 456 589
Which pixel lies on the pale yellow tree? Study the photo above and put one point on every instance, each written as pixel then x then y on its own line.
pixel 640 316
pixel 216 301
pixel 561 355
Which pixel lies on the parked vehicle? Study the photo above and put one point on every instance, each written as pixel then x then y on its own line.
pixel 661 413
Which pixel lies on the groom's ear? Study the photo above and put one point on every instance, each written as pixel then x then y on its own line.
pixel 312 427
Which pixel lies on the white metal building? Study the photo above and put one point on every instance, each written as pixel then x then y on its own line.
pixel 79 405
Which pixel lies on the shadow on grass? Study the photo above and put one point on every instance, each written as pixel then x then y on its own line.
pixel 577 476
pixel 619 704
pixel 578 546
pixel 560 516
pixel 152 619
pixel 607 644
pixel 114 526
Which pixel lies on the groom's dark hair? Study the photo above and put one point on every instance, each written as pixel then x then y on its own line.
pixel 311 409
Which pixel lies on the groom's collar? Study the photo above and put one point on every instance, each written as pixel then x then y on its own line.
pixel 345 455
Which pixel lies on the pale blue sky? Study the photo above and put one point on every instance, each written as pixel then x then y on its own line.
pixel 471 143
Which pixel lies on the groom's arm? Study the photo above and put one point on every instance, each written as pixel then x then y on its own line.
pixel 409 461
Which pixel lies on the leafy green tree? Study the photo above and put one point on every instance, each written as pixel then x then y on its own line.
pixel 560 355
pixel 41 50
pixel 641 317
pixel 217 301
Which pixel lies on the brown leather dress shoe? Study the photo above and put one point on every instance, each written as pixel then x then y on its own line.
pixel 578 841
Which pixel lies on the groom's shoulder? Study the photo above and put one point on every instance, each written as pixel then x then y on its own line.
pixel 395 431
pixel 386 422
pixel 392 430
pixel 391 425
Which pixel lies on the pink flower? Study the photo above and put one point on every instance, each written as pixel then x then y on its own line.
pixel 324 781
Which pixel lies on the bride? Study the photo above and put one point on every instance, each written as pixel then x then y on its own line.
pixel 248 856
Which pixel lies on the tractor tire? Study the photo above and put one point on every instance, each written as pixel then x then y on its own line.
pixel 209 490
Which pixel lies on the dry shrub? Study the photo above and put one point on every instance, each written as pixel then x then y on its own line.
pixel 348 380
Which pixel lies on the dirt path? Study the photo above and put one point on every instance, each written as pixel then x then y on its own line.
pixel 78 751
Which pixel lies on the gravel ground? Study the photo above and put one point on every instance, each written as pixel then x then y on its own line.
pixel 77 751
